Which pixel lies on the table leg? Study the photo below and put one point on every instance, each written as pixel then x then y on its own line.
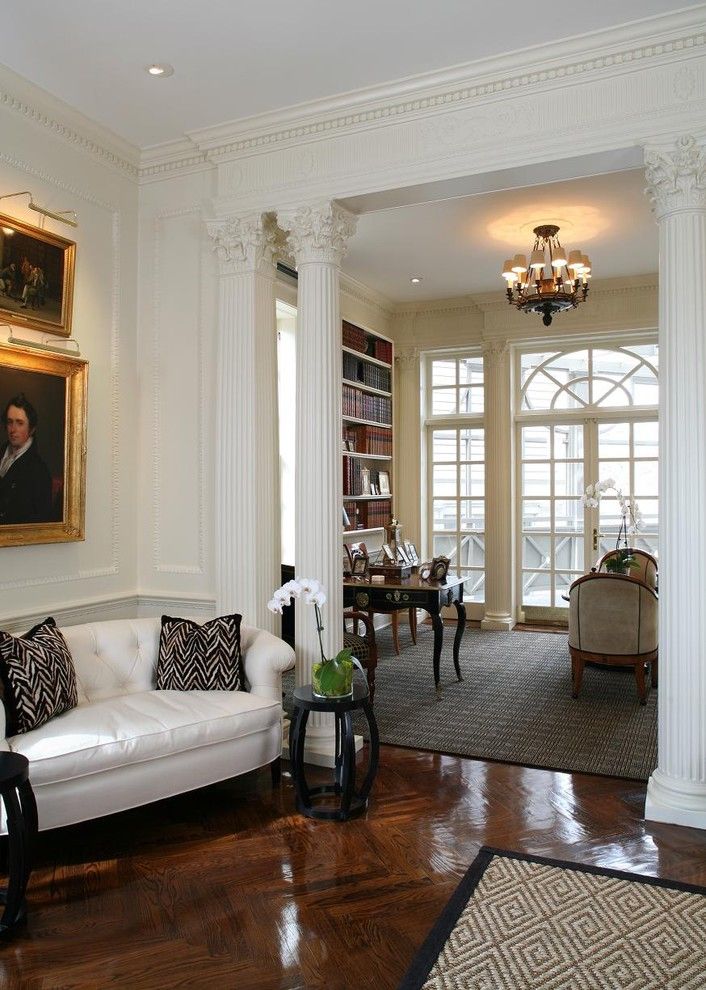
pixel 296 755
pixel 438 627
pixel 19 844
pixel 461 612
pixel 348 764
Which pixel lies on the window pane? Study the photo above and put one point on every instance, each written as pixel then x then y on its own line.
pixel 473 551
pixel 611 517
pixel 536 515
pixel 535 479
pixel 472 479
pixel 473 585
pixel 472 514
pixel 568 478
pixel 568 515
pixel 445 546
pixel 470 371
pixel 614 440
pixel 568 553
pixel 568 442
pixel 535 443
pixel 614 365
pixel 443 372
pixel 535 551
pixel 471 399
pixel 649 510
pixel 646 479
pixel 445 514
pixel 536 588
pixel 444 479
pixel 619 471
pixel 561 587
pixel 471 445
pixel 444 445
pixel 443 401
pixel 646 439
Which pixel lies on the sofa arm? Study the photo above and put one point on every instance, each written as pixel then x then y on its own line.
pixel 265 658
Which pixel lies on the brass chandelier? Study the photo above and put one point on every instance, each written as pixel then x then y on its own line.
pixel 552 282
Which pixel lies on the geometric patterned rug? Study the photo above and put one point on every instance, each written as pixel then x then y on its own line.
pixel 514 704
pixel 527 923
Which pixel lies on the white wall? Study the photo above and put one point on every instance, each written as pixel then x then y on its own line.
pixel 68 163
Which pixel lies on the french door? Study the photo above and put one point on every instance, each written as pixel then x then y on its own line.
pixel 560 538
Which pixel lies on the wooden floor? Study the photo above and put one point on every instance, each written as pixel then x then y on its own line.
pixel 228 887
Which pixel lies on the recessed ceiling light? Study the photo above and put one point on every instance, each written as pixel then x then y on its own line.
pixel 162 69
pixel 416 279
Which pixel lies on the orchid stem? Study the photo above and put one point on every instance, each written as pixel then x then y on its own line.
pixel 319 629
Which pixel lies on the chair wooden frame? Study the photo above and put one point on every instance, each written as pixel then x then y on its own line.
pixel 369 638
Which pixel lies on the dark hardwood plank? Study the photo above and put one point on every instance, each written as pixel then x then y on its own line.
pixel 229 887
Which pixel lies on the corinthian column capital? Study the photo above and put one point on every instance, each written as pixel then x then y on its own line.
pixel 676 176
pixel 407 358
pixel 318 232
pixel 243 244
pixel 495 352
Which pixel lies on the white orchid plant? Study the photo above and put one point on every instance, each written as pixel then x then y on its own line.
pixel 632 521
pixel 333 676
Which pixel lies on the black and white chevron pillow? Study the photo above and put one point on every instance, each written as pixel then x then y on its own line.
pixel 38 676
pixel 195 657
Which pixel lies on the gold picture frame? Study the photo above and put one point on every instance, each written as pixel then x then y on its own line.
pixel 36 277
pixel 51 392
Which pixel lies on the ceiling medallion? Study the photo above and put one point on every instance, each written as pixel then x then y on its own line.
pixel 552 282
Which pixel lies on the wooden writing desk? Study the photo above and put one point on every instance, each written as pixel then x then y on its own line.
pixel 399 593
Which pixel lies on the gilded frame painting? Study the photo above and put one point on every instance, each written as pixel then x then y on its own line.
pixel 36 277
pixel 42 447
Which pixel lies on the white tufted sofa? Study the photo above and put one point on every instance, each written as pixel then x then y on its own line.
pixel 127 744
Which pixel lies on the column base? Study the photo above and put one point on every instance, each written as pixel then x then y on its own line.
pixel 498 623
pixel 675 802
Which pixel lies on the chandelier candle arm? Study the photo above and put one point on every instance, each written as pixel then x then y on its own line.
pixel 553 282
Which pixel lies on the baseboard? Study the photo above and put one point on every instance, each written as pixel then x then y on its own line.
pixel 116 607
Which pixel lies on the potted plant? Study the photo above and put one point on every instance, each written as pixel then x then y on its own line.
pixel 622 562
pixel 332 677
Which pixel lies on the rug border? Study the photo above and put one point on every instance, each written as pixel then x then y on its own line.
pixel 428 953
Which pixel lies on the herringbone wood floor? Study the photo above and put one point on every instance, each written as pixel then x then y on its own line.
pixel 230 888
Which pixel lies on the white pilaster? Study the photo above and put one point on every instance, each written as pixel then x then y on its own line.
pixel 318 236
pixel 499 555
pixel 407 480
pixel 677 187
pixel 247 544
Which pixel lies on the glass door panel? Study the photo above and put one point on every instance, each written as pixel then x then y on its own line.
pixel 628 453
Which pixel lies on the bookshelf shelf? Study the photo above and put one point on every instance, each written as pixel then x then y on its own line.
pixel 367 425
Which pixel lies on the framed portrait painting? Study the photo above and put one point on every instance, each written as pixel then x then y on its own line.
pixel 42 447
pixel 36 277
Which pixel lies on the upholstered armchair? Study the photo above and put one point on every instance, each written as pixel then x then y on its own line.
pixel 613 620
pixel 647 570
pixel 364 648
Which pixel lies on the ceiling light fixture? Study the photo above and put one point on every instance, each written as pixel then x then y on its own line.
pixel 552 282
pixel 162 69
pixel 415 279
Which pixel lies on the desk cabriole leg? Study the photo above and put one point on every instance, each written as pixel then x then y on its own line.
pixel 438 627
pixel 461 625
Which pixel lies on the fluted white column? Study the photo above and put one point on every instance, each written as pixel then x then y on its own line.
pixel 677 187
pixel 318 236
pixel 247 511
pixel 407 480
pixel 499 554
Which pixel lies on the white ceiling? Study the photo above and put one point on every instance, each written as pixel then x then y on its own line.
pixel 233 59
pixel 459 245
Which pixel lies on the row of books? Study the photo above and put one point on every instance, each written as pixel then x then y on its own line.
pixel 366 515
pixel 363 406
pixel 358 340
pixel 360 480
pixel 368 439
pixel 356 370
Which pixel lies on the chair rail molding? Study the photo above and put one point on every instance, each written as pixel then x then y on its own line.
pixel 676 185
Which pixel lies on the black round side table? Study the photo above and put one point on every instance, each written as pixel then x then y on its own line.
pixel 21 812
pixel 351 801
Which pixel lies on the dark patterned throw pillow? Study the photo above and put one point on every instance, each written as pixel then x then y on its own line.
pixel 195 657
pixel 38 676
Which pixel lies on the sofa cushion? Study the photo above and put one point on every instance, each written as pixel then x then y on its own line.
pixel 139 727
pixel 38 676
pixel 195 657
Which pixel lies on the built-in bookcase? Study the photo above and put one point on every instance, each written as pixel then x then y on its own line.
pixel 367 431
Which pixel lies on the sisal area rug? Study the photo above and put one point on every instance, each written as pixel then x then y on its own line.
pixel 514 704
pixel 526 923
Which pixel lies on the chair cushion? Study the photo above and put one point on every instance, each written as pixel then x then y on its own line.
pixel 195 657
pixel 38 676
pixel 134 728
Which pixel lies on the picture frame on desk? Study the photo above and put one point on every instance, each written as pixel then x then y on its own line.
pixel 388 555
pixel 411 552
pixel 402 554
pixel 360 565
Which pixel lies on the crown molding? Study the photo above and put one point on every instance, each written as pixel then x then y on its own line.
pixel 608 52
pixel 179 157
pixel 23 98
pixel 363 293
